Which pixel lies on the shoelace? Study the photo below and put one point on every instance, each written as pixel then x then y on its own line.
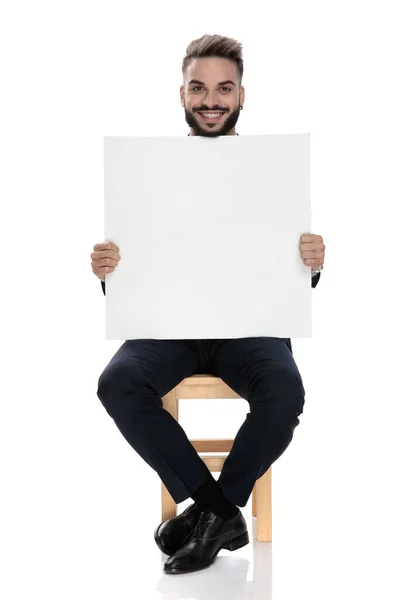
pixel 202 523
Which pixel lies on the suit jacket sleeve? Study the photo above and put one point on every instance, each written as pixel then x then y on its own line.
pixel 314 279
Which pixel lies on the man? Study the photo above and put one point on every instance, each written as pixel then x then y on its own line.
pixel 261 370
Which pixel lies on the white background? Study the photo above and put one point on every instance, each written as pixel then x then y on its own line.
pixel 73 490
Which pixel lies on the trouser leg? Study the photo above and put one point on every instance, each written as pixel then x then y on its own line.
pixel 131 389
pixel 263 372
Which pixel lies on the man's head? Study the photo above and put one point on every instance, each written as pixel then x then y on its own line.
pixel 212 83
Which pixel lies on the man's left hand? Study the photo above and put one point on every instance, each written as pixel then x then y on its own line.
pixel 312 250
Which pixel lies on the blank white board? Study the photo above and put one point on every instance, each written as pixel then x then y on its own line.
pixel 208 231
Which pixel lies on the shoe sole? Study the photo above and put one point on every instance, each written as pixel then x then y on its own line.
pixel 235 544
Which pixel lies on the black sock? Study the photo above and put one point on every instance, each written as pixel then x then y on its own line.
pixel 209 495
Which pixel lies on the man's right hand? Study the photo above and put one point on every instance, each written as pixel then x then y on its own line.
pixel 104 259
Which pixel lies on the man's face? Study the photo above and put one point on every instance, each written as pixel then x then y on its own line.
pixel 211 86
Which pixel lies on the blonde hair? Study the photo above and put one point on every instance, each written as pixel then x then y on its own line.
pixel 215 45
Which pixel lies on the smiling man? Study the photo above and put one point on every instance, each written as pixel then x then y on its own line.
pixel 261 370
pixel 212 96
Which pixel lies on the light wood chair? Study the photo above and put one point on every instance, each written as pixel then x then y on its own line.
pixel 211 387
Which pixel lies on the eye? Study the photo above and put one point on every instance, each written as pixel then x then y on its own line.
pixel 198 87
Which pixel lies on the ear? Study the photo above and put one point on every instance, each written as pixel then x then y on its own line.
pixel 241 95
pixel 182 95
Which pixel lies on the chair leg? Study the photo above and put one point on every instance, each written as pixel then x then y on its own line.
pixel 264 512
pixel 168 504
pixel 254 501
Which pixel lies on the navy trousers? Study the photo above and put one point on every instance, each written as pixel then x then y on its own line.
pixel 261 370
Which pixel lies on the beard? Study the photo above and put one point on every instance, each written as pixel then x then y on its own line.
pixel 213 130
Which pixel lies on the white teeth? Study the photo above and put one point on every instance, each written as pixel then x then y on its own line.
pixel 211 115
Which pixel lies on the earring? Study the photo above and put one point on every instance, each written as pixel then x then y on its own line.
pixel 241 106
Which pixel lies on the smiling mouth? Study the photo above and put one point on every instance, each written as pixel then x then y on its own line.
pixel 211 117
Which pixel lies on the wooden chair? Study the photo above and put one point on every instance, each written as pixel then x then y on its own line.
pixel 211 387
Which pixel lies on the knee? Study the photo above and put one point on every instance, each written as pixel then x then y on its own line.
pixel 292 392
pixel 108 385
pixel 113 384
pixel 110 380
pixel 284 388
pixel 122 388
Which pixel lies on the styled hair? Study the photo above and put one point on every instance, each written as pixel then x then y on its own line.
pixel 215 45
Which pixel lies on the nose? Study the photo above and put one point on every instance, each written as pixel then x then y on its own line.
pixel 211 99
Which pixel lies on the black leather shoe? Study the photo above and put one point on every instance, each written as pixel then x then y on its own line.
pixel 211 534
pixel 173 533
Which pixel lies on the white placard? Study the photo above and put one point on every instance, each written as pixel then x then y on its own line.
pixel 208 231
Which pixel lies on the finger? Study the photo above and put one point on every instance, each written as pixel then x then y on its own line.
pixel 307 254
pixel 101 246
pixel 106 246
pixel 307 237
pixel 105 262
pixel 311 237
pixel 312 246
pixel 316 255
pixel 306 246
pixel 105 254
pixel 102 272
pixel 105 270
